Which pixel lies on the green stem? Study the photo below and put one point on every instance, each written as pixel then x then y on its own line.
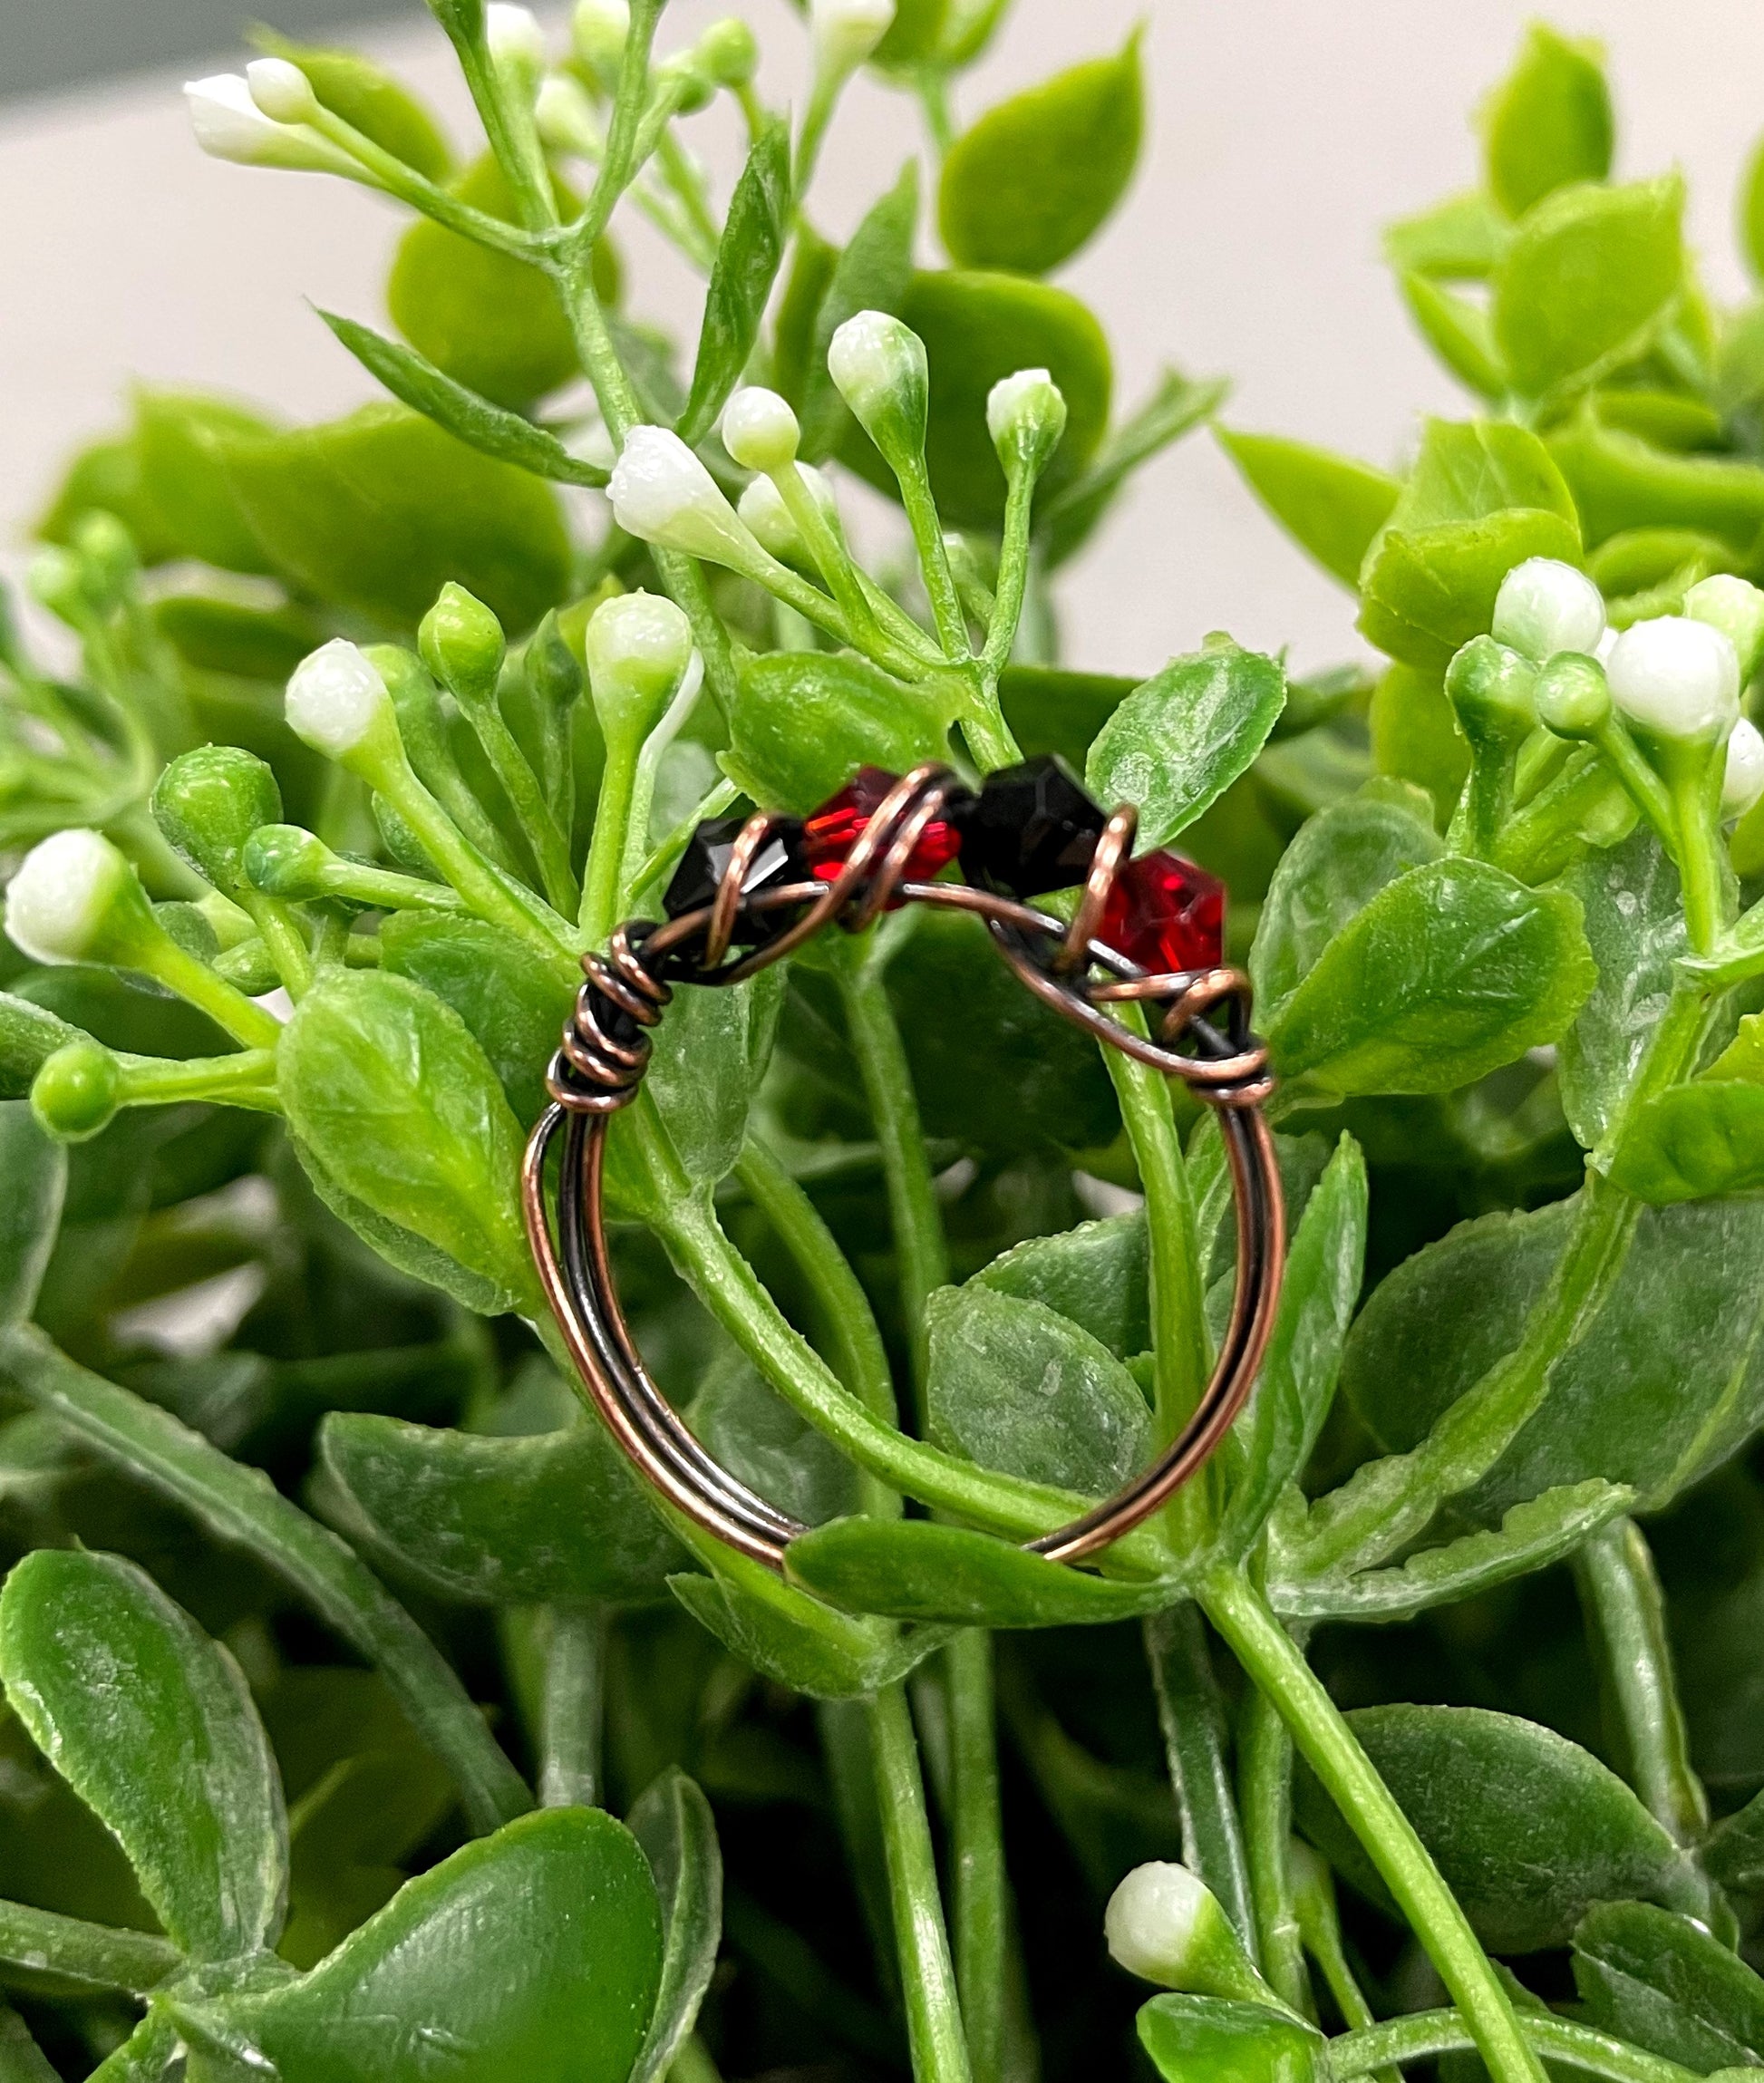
pixel 1702 863
pixel 1265 1780
pixel 386 170
pixel 230 1010
pixel 618 162
pixel 148 2053
pixel 934 2018
pixel 730 1290
pixel 928 528
pixel 240 1506
pixel 1012 572
pixel 914 1219
pixel 1278 1668
pixel 1625 1613
pixel 859 1356
pixel 520 784
pixel 247 1079
pixel 978 1888
pixel 575 1698
pixel 102 1956
pixel 1192 1718
pixel 612 821
pixel 677 170
pixel 1429 2032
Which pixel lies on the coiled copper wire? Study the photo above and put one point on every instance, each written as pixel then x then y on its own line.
pixel 1199 1032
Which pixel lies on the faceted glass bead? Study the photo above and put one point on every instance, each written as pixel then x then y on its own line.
pixel 778 863
pixel 1033 829
pixel 1165 914
pixel 830 833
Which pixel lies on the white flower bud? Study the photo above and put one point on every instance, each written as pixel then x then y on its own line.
pixel 876 365
pixel 759 430
pixel 335 700
pixel 1165 1925
pixel 639 650
pixel 1676 677
pixel 1544 605
pixel 764 510
pixel 58 903
pixel 229 125
pixel 1743 781
pixel 598 30
pixel 565 117
pixel 845 31
pixel 282 91
pixel 663 494
pixel 1735 607
pixel 513 37
pixel 1026 416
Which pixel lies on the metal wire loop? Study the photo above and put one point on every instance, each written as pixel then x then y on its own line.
pixel 1197 1027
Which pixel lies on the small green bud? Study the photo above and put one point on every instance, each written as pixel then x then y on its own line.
pixel 53 578
pixel 639 649
pixel 77 1092
pixel 878 367
pixel 285 861
pixel 1026 418
pixel 1574 697
pixel 76 898
pixel 728 53
pixel 1735 607
pixel 249 967
pixel 598 29
pixel 1492 689
pixel 759 430
pixel 208 802
pixel 110 565
pixel 187 926
pixel 462 644
pixel 1165 1925
pixel 678 81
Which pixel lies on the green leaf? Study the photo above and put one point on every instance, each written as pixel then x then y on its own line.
pixel 1415 736
pixel 805 721
pixel 492 323
pixel 1629 897
pixel 548 1518
pixel 1527 1829
pixel 977 328
pixel 1531 1537
pixel 1177 742
pixel 491 430
pixel 1460 333
pixel 181 444
pixel 514 1009
pixel 1620 481
pixel 796 1641
pixel 1037 176
pixel 1663 1983
pixel 561 1991
pixel 1449 971
pixel 916 1569
pixel 1462 239
pixel 35 1170
pixel 30 1035
pixel 1296 1382
pixel 387 1089
pixel 1063 523
pixel 1665 1382
pixel 1339 862
pixel 153 1726
pixel 1428 591
pixel 1476 469
pixel 369 98
pixel 1694 1141
pixel 377 511
pixel 874 273
pixel 746 266
pixel 711 1051
pixel 759 1438
pixel 1744 1056
pixel 1733 1854
pixel 672 1823
pixel 1332 505
pixel 1591 274
pixel 1014 1387
pixel 1095 1275
pixel 1209 2040
pixel 1549 121
pixel 1050 710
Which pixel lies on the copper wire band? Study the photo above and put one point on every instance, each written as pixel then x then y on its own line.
pixel 606 1046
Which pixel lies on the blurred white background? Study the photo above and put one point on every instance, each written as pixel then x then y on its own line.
pixel 1284 134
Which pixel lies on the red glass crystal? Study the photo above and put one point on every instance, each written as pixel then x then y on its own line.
pixel 830 833
pixel 1165 914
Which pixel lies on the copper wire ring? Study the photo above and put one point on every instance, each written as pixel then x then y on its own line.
pixel 605 1050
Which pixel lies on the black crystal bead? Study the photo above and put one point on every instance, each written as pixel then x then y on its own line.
pixel 1032 829
pixel 779 863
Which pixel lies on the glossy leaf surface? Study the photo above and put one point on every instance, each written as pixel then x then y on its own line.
pixel 1332 505
pixel 746 266
pixel 1548 122
pixel 1666 1984
pixel 672 1823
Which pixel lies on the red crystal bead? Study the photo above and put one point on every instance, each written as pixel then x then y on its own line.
pixel 830 833
pixel 1165 914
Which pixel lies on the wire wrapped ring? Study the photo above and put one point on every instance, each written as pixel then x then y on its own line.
pixel 1198 1030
